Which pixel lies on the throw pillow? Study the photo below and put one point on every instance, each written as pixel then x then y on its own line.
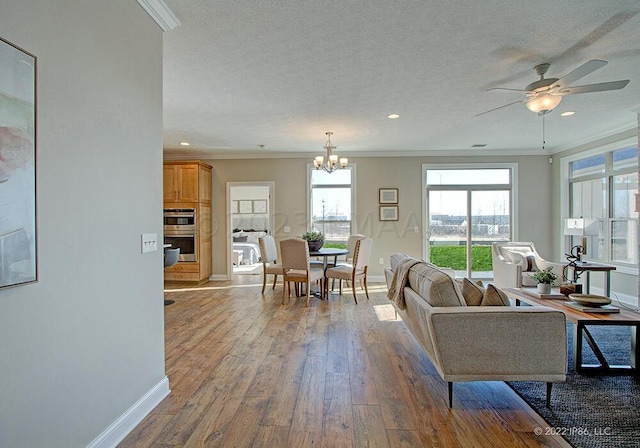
pixel 531 263
pixel 472 292
pixel 495 297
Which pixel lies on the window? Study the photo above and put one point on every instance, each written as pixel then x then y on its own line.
pixel 468 208
pixel 332 204
pixel 604 187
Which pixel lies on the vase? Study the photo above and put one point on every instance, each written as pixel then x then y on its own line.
pixel 315 245
pixel 544 288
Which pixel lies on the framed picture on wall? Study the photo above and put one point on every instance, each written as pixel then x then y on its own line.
pixel 388 196
pixel 245 206
pixel 388 213
pixel 17 162
pixel 260 206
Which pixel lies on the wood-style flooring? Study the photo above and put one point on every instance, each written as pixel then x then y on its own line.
pixel 246 371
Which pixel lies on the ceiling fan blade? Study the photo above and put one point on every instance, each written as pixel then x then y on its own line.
pixel 600 87
pixel 580 72
pixel 506 89
pixel 506 105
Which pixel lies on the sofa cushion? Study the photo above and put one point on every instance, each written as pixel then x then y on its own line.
pixel 471 291
pixel 494 297
pixel 435 286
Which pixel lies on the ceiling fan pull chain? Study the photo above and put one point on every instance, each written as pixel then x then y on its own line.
pixel 543 132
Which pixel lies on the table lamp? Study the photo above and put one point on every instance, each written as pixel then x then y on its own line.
pixel 581 227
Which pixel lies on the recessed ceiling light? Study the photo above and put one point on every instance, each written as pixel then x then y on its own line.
pixel 567 113
pixel 393 116
pixel 185 143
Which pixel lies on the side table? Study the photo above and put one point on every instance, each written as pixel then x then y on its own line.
pixel 588 268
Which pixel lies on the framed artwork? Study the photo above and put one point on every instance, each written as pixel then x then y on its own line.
pixel 388 213
pixel 234 207
pixel 388 196
pixel 17 166
pixel 260 206
pixel 245 207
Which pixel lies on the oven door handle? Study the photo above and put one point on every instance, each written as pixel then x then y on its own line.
pixel 179 235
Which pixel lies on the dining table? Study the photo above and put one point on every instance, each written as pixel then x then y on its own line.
pixel 325 253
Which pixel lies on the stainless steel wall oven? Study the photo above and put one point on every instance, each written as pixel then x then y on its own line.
pixel 180 232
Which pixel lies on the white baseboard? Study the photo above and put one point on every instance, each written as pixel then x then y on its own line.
pixel 218 277
pixel 123 425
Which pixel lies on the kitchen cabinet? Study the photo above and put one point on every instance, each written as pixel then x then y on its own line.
pixel 181 182
pixel 187 184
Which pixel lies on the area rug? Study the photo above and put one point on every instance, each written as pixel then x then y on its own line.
pixel 592 410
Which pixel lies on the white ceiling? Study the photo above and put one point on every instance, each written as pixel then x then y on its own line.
pixel 244 73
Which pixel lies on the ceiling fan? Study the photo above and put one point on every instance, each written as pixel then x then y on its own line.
pixel 543 95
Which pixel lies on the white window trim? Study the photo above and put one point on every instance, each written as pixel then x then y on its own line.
pixel 309 214
pixel 564 192
pixel 461 166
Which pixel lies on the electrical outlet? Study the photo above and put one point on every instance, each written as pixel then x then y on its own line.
pixel 416 229
pixel 381 260
pixel 149 242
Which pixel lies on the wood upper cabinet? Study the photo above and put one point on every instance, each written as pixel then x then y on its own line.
pixel 187 182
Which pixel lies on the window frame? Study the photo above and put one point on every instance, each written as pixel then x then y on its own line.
pixel 608 175
pixel 512 187
pixel 353 227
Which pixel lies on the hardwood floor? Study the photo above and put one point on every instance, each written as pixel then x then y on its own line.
pixel 245 370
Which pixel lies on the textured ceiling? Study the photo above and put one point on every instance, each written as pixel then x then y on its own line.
pixel 244 73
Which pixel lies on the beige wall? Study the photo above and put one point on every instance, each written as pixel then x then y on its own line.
pixel 82 345
pixel 372 173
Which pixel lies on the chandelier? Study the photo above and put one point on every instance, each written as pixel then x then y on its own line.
pixel 332 159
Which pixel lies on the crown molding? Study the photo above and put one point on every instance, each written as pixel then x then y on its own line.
pixel 160 13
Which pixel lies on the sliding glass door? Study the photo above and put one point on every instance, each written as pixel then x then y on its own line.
pixel 467 210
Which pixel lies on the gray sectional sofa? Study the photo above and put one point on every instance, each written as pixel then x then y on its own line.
pixel 476 343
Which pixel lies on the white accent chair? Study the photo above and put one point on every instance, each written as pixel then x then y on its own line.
pixel 513 262
pixel 268 257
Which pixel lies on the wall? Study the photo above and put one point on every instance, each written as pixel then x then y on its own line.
pixel 404 173
pixel 83 344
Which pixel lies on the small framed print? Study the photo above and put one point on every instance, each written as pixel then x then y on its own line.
pixel 260 206
pixel 388 196
pixel 245 207
pixel 234 207
pixel 388 213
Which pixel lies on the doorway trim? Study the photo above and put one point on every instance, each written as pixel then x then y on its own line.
pixel 271 186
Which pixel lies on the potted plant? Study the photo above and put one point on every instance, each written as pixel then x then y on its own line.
pixel 315 239
pixel 544 279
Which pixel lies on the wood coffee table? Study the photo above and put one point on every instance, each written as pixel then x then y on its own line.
pixel 581 333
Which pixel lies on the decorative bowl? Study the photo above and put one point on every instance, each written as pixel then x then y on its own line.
pixel 590 299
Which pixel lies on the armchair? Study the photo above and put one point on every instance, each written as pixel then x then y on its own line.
pixel 513 262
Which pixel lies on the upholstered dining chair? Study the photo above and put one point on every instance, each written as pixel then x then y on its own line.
pixel 355 271
pixel 268 256
pixel 296 267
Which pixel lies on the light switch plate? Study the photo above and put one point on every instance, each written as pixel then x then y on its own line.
pixel 287 229
pixel 149 242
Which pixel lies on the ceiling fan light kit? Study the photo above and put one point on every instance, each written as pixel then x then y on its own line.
pixel 543 104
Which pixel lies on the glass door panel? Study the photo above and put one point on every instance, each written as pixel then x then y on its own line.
pixel 448 226
pixel 490 221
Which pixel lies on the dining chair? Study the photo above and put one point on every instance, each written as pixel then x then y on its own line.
pixel 357 270
pixel 296 267
pixel 268 256
pixel 348 260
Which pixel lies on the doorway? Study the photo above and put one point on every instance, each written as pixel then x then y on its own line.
pixel 250 211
